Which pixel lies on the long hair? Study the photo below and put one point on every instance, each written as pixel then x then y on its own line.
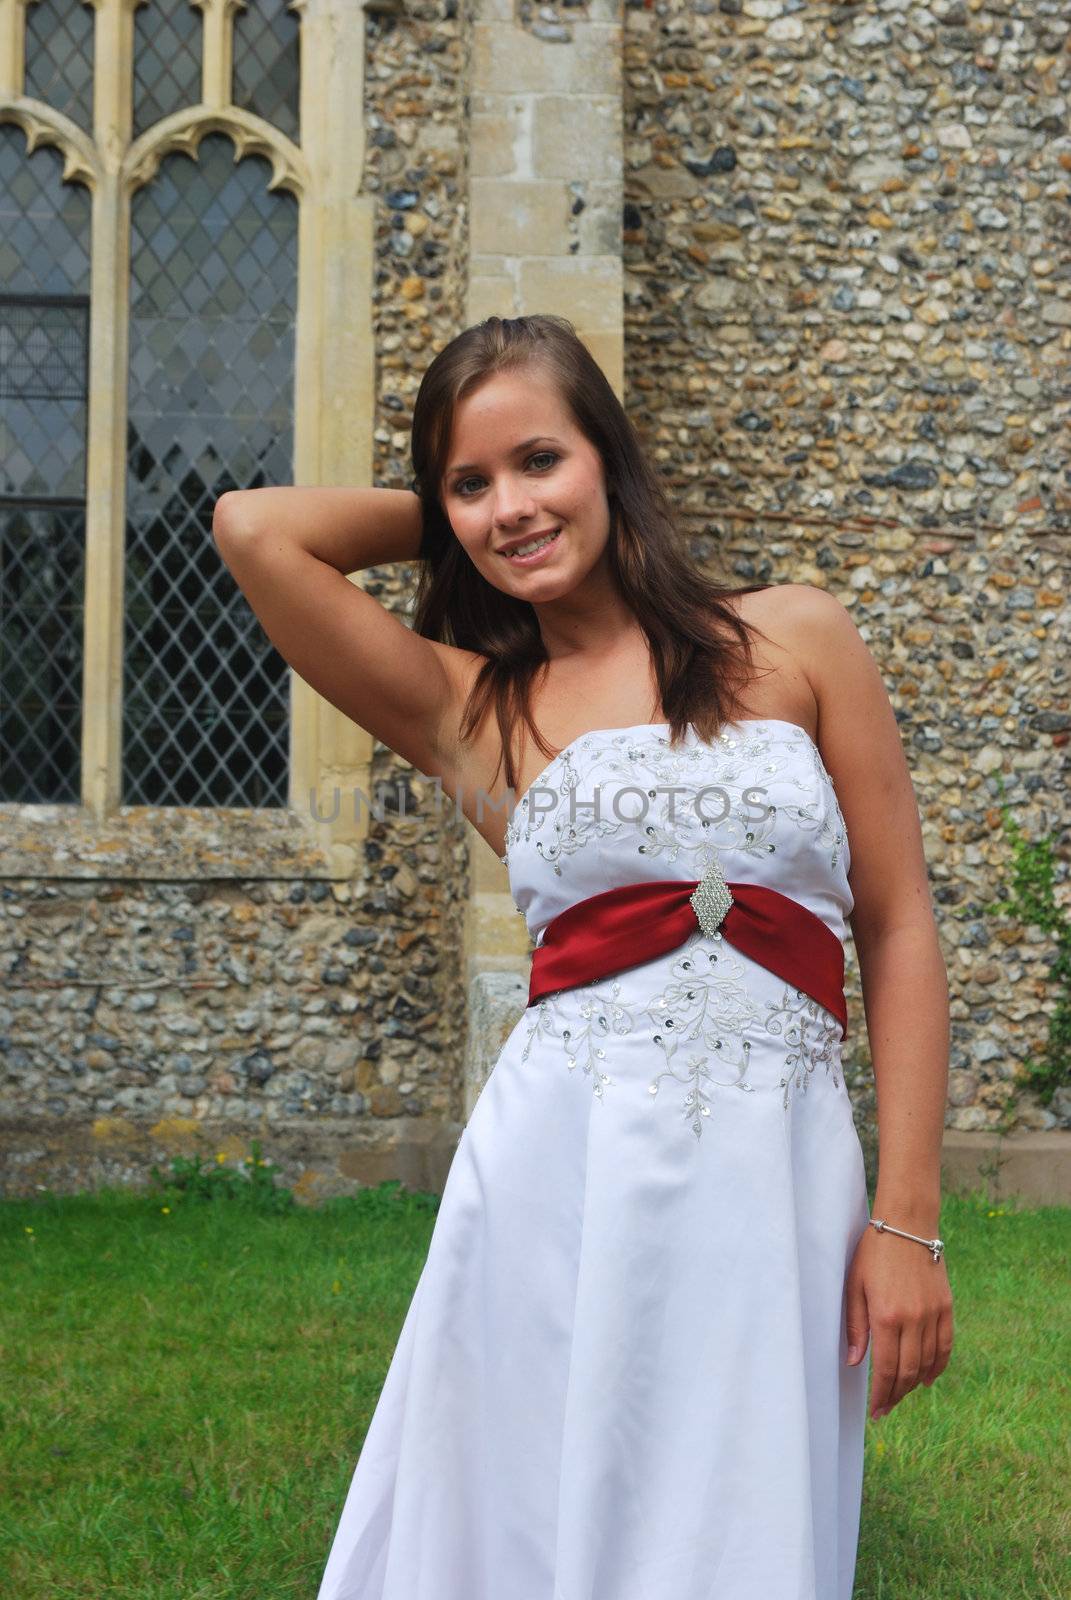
pixel 679 608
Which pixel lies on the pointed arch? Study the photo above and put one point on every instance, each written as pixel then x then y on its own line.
pixel 43 125
pixel 184 131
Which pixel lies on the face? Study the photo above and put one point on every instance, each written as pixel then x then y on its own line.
pixel 518 467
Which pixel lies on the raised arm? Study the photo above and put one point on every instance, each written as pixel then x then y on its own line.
pixel 290 550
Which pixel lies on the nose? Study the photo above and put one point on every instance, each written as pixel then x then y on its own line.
pixel 513 502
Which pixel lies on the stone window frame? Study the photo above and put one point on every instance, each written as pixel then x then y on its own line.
pixel 334 417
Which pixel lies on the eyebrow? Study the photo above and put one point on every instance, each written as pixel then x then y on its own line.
pixel 473 466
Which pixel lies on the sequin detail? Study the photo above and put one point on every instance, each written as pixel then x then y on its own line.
pixel 695 1029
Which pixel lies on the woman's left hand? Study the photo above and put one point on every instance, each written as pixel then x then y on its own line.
pixel 897 1292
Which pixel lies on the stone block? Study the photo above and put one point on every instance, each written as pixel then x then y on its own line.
pixel 577 137
pixel 608 349
pixel 507 57
pixel 1034 1167
pixel 588 291
pixel 496 1002
pixel 497 140
pixel 514 218
pixel 503 928
pixel 598 225
pixel 492 291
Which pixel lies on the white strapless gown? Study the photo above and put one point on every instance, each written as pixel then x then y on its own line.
pixel 622 1373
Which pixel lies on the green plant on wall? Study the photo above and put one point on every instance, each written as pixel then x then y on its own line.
pixel 1032 901
pixel 252 1182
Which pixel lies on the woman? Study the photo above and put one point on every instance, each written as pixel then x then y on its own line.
pixel 635 1364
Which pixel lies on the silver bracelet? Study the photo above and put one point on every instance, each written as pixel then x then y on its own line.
pixel 935 1246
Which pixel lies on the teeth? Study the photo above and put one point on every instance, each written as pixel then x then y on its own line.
pixel 526 549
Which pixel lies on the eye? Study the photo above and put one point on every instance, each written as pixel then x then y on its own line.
pixel 540 455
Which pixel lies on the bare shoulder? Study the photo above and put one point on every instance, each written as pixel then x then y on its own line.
pixel 824 638
pixel 793 613
pixel 781 686
pixel 808 626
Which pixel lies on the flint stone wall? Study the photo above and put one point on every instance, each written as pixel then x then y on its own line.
pixel 847 323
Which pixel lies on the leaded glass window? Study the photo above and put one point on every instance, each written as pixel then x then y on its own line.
pixel 44 336
pixel 213 304
pixel 42 583
pixel 59 57
pixel 266 63
pixel 167 60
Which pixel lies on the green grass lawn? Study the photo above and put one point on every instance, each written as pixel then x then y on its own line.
pixel 185 1394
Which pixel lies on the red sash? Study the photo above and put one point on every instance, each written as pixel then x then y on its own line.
pixel 635 923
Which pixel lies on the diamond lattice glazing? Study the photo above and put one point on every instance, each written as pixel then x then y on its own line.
pixel 213 298
pixel 44 270
pixel 167 60
pixel 44 222
pixel 59 58
pixel 267 69
pixel 42 584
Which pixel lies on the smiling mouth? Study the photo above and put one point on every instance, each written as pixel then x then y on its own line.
pixel 533 547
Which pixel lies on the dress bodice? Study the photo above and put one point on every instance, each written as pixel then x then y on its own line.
pixel 620 805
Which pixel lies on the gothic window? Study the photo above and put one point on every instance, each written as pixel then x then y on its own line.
pixel 139 383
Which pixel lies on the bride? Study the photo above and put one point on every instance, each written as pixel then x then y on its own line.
pixel 631 1371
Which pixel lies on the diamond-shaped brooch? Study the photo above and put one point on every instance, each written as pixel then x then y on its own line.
pixel 711 899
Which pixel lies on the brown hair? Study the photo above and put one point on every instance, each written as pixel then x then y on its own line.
pixel 676 604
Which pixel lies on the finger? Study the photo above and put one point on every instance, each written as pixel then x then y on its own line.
pixel 945 1333
pixel 909 1362
pixel 857 1323
pixel 886 1364
pixel 929 1351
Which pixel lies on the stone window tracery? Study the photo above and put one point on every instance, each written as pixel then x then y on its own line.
pixel 161 688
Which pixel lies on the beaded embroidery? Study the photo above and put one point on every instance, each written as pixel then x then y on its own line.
pixel 713 1008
